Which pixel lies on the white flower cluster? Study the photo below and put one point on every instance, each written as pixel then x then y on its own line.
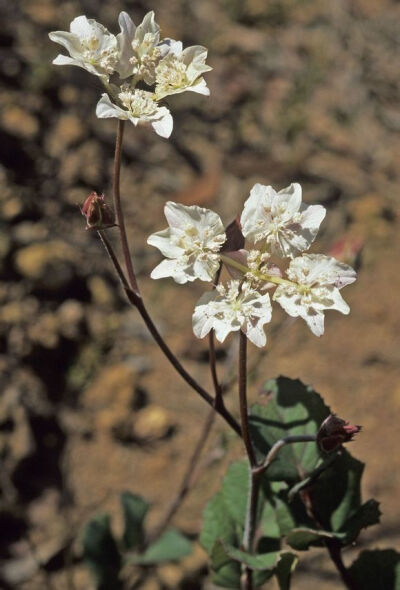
pixel 276 226
pixel 137 68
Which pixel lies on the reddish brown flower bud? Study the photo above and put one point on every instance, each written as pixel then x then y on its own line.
pixel 98 214
pixel 333 432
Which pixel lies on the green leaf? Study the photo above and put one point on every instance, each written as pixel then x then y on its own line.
pixel 217 524
pixel 228 576
pixel 223 551
pixel 235 490
pixel 226 560
pixel 171 546
pixel 337 492
pixel 377 570
pixel 367 515
pixel 302 539
pixel 134 509
pixel 284 569
pixel 277 519
pixel 292 409
pixel 101 553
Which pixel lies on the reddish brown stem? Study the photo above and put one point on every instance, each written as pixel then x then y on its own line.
pixel 137 302
pixel 118 208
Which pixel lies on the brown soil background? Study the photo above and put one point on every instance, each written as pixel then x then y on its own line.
pixel 301 90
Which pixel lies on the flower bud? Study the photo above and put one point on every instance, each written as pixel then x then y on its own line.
pixel 333 432
pixel 98 214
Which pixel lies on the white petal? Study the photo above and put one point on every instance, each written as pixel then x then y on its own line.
pixel 170 268
pixel 105 109
pixel 222 329
pixel 313 216
pixel 290 195
pixel 200 86
pixel 64 60
pixel 287 300
pixel 163 127
pixel 315 321
pixel 68 40
pixel 82 27
pixel 205 269
pixel 339 303
pixel 162 241
pixel 255 334
pixel 124 39
pixel 148 25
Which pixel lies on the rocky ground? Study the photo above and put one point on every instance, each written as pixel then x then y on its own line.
pixel 301 91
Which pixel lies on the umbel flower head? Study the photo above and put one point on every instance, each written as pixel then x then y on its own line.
pixel 190 244
pixel 314 287
pixel 90 45
pixel 279 221
pixel 275 225
pixel 137 68
pixel 232 308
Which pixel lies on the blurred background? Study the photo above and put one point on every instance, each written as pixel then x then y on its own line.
pixel 301 90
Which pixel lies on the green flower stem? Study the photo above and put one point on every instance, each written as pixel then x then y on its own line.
pixel 258 275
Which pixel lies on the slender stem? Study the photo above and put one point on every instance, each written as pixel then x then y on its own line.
pixel 118 208
pixel 177 365
pixel 137 302
pixel 187 480
pixel 242 380
pixel 251 512
pixel 335 552
pixel 114 259
pixel 218 401
pixel 333 545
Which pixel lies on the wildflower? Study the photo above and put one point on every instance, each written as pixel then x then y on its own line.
pixel 181 70
pixel 139 107
pixel 333 432
pixel 279 219
pixel 90 45
pixel 233 308
pixel 98 214
pixel 313 286
pixel 191 243
pixel 140 48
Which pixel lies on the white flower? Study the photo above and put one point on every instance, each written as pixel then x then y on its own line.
pixel 237 307
pixel 191 243
pixel 140 108
pixel 316 283
pixel 181 70
pixel 140 48
pixel 287 226
pixel 90 45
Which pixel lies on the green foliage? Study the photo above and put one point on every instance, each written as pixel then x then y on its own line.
pixel 223 524
pixel 306 497
pixel 134 509
pixel 105 556
pixel 337 496
pixel 171 546
pixel 377 570
pixel 101 553
pixel 284 569
pixel 302 539
pixel 292 409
